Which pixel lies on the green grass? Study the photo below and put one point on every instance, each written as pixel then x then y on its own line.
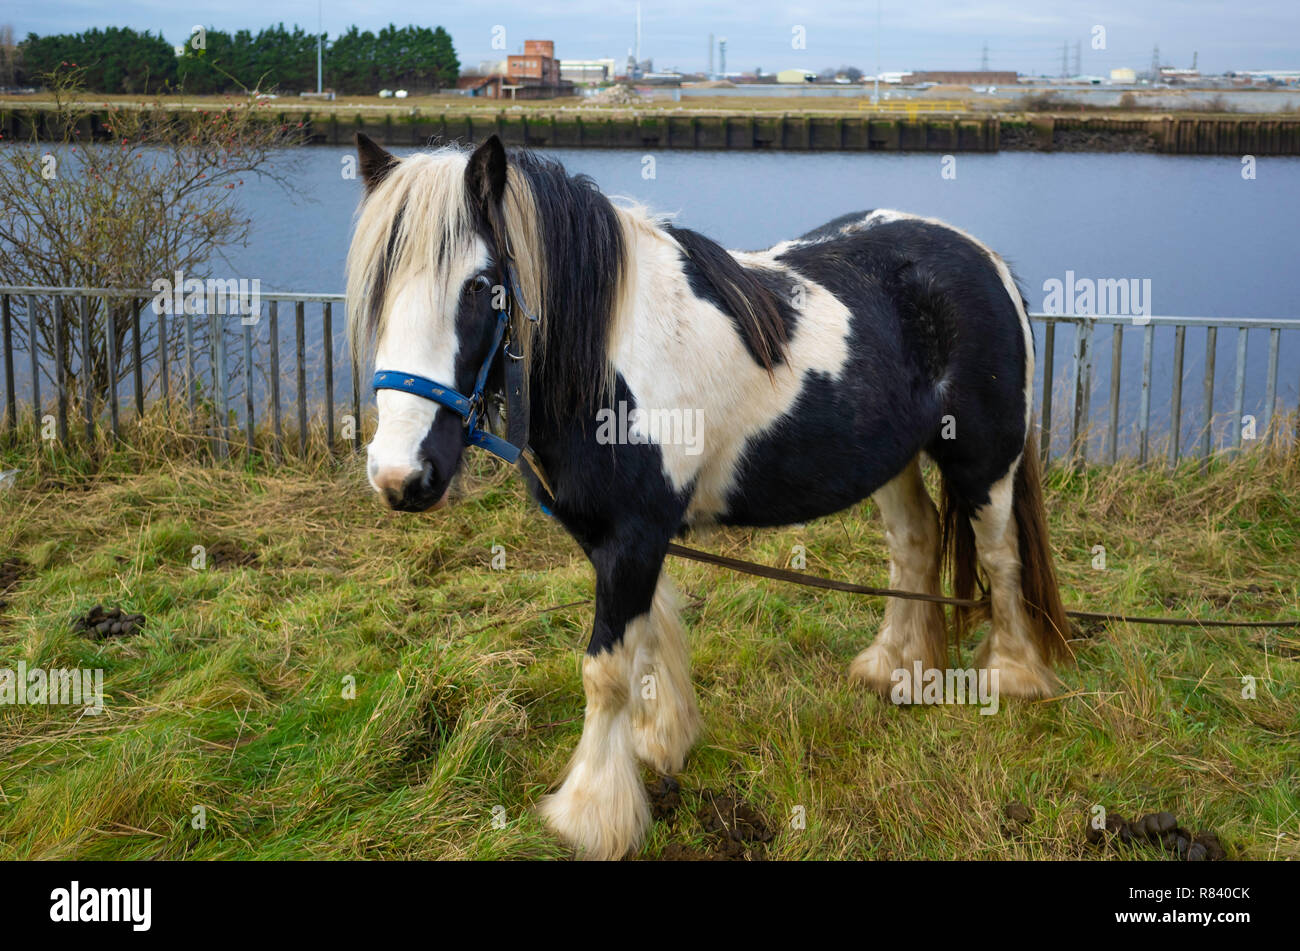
pixel 468 692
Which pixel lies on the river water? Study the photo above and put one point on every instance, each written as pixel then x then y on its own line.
pixel 1209 241
pixel 1203 238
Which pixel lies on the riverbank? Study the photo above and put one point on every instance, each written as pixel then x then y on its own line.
pixel 904 126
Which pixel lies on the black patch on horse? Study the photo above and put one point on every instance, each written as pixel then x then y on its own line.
pixel 756 299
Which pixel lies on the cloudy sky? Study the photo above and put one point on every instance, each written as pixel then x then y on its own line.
pixel 1024 35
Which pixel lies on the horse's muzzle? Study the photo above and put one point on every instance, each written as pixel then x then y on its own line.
pixel 418 492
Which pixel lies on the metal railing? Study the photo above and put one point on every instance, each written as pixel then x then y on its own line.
pixel 1082 377
pixel 190 365
pixel 202 343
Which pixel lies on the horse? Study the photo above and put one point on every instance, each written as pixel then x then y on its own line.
pixel 822 370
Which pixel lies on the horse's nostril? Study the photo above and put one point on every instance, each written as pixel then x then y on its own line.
pixel 394 497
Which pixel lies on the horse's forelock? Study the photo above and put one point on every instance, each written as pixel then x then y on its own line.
pixel 415 222
pixel 569 245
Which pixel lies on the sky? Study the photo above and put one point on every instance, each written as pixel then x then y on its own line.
pixel 1022 35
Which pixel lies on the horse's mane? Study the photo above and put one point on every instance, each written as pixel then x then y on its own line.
pixel 567 240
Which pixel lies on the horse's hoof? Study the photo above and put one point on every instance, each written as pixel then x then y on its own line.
pixel 1029 680
pixel 875 667
pixel 603 819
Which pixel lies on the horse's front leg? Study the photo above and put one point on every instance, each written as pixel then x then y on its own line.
pixel 665 717
pixel 601 808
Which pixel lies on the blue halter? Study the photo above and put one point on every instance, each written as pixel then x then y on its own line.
pixel 469 408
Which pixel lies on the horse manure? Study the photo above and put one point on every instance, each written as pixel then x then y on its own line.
pixel 665 797
pixel 736 826
pixel 228 554
pixel 1017 812
pixel 676 852
pixel 1214 851
pixel 1158 828
pixel 100 622
pixel 735 830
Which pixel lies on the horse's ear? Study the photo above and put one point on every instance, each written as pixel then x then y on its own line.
pixel 376 163
pixel 485 177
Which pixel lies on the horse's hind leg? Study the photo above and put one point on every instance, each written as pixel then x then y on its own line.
pixel 913 630
pixel 1010 648
pixel 665 717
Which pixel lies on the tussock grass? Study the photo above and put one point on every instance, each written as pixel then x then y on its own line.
pixel 468 693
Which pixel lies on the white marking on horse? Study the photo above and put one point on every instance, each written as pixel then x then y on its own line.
pixel 676 350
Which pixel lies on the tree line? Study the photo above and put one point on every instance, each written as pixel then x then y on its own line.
pixel 122 60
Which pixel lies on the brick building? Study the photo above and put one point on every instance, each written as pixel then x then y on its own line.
pixel 535 65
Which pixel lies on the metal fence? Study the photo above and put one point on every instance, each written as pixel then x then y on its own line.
pixel 1083 424
pixel 207 359
pixel 226 371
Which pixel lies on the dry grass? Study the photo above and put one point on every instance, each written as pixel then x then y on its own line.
pixel 1013 100
pixel 468 693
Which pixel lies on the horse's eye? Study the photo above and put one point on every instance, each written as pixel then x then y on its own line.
pixel 481 283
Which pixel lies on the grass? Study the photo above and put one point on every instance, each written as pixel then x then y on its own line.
pixel 1017 101
pixel 233 702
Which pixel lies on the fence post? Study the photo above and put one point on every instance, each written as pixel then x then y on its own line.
pixel 35 355
pixel 327 333
pixel 61 370
pixel 164 384
pixel 1116 368
pixel 135 352
pixel 1144 407
pixel 1270 383
pixel 191 380
pixel 248 387
pixel 1211 340
pixel 300 332
pixel 274 341
pixel 221 392
pixel 87 390
pixel 1176 398
pixel 11 398
pixel 1239 390
pixel 1082 391
pixel 111 362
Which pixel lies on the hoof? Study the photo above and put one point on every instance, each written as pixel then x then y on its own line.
pixel 596 824
pixel 875 667
pixel 1028 679
pixel 601 809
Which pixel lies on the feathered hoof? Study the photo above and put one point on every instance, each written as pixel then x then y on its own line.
pixel 1027 679
pixel 602 816
pixel 875 667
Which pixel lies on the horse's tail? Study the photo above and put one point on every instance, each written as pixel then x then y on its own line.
pixel 960 560
pixel 1038 585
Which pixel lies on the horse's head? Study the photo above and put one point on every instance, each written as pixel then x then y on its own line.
pixel 424 292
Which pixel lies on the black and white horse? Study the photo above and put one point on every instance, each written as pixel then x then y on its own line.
pixel 820 371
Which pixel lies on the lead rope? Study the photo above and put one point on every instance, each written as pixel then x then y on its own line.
pixel 849 587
